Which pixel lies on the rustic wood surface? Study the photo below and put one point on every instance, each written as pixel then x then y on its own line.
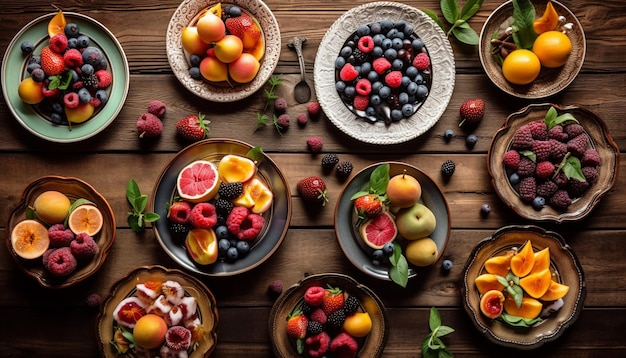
pixel 39 322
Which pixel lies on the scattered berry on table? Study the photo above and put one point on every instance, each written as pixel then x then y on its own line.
pixel 93 300
pixel 314 109
pixel 471 140
pixel 149 125
pixel 344 169
pixel 276 287
pixel 302 120
pixel 472 111
pixel 283 122
pixel 156 107
pixel 447 168
pixel 315 143
pixel 280 105
pixel 313 190
pixel 448 134
pixel 485 209
pixel 538 203
pixel 447 264
pixel 329 160
pixel 193 127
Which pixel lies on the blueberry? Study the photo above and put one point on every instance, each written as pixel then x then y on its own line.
pixel 234 11
pixel 471 140
pixel 411 88
pixel 363 30
pixel 386 24
pixel 72 42
pixel 538 203
pixel 370 111
pixel 397 64
pixel 340 86
pixel 418 45
pixel 346 51
pixel 223 245
pixel 378 255
pixel 411 72
pixel 31 66
pixel 221 232
pixel 71 30
pixel 376 86
pixel 377 51
pixel 403 98
pixel 102 96
pixel 27 47
pixel 485 209
pixel 339 62
pixel 375 28
pixel 384 92
pixel 391 54
pixel 392 33
pixel 396 43
pixel 56 118
pixel 82 41
pixel 378 39
pixel 396 115
pixel 34 59
pixel 387 44
pixel 375 100
pixel 87 69
pixel 514 178
pixel 195 60
pixel 243 247
pixel 74 74
pixel 57 107
pixel 83 95
pixel 405 81
pixel 447 134
pixel 447 265
pixel 388 249
pixel 194 72
pixel 422 91
pixel 232 253
pixel 372 76
pixel 408 30
pixel 407 110
pixel 349 92
pixel 366 68
pixel 38 75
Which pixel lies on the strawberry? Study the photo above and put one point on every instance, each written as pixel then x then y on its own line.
pixel 244 27
pixel 193 128
pixel 368 206
pixel 472 111
pixel 333 300
pixel 296 325
pixel 313 190
pixel 52 63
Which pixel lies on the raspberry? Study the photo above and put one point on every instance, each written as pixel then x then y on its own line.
pixel 576 187
pixel 203 216
pixel 366 44
pixel 244 224
pixel 557 149
pixel 179 212
pixel 511 159
pixel 344 169
pixel 329 161
pixel 447 168
pixel 363 87
pixel 526 167
pixel 70 100
pixel 361 102
pixel 314 295
pixel 95 102
pixel 522 139
pixel 72 58
pixel 544 169
pixel 105 79
pixel 394 79
pixel 149 125
pixel 155 107
pixel 93 300
pixel 61 262
pixel 590 158
pixel 302 120
pixel 276 287
pixel 58 43
pixel 318 315
pixel 547 189
pixel 318 344
pixel 574 130
pixel 578 145
pixel 84 247
pixel 541 149
pixel 590 173
pixel 557 133
pixel 527 189
pixel 314 109
pixel 538 130
pixel 381 65
pixel 348 73
pixel 283 121
pixel 280 105
pixel 230 191
pixel 560 199
pixel 421 61
pixel 60 236
pixel 315 144
pixel 235 218
pixel 344 345
pixel 50 93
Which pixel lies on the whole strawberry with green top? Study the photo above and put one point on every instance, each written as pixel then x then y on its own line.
pixel 333 300
pixel 313 190
pixel 368 206
pixel 472 111
pixel 193 128
pixel 297 323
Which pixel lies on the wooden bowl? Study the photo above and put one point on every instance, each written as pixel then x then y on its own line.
pixel 600 139
pixel 74 188
pixel 564 264
pixel 370 346
pixel 550 80
pixel 126 287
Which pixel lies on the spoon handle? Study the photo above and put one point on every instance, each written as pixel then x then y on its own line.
pixel 296 43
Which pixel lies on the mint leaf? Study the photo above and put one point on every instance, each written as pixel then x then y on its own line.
pixel 399 271
pixel 530 155
pixel 255 154
pixel 136 218
pixel 465 34
pixel 132 190
pixel 54 83
pixel 444 330
pixel 434 320
pixel 572 169
pixel 151 217
pixel 550 118
pixel 450 10
pixel 470 8
pixel 379 179
pixel 524 18
pixel 564 118
pixel 432 345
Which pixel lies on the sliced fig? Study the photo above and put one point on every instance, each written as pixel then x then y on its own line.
pixel 129 311
pixel 178 338
pixel 492 303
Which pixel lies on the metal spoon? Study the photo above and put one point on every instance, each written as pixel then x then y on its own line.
pixel 302 91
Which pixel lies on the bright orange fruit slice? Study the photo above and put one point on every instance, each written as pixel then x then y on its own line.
pixel 85 218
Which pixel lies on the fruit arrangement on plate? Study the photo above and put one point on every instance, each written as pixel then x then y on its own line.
pixel 224 43
pixel 217 211
pixel 69 79
pixel 383 71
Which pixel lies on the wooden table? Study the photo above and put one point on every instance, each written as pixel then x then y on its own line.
pixel 39 322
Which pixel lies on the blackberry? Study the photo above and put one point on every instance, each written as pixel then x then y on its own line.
pixel 526 167
pixel 90 81
pixel 306 308
pixel 350 305
pixel 560 199
pixel 447 168
pixel 527 189
pixel 178 231
pixel 223 206
pixel 230 191
pixel 336 319
pixel 344 169
pixel 360 56
pixel 313 328
pixel 329 160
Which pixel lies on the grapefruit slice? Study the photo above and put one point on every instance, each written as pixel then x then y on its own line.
pixel 29 239
pixel 378 231
pixel 198 181
pixel 85 218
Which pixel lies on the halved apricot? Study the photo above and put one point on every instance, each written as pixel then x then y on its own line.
pixel 536 284
pixel 530 307
pixel 491 303
pixel 548 21
pixel 500 264
pixel 555 291
pixel 542 260
pixel 487 282
pixel 523 261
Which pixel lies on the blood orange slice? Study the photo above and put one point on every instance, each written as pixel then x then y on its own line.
pixel 378 231
pixel 198 181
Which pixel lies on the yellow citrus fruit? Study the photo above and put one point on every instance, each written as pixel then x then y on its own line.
pixel 85 218
pixel 358 324
pixel 52 206
pixel 552 48
pixel 30 91
pixel 149 331
pixel 521 67
pixel 29 239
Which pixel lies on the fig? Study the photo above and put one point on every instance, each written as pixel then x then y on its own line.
pixel 129 311
pixel 492 303
pixel 178 338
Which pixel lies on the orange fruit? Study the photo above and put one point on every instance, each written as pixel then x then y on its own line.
pixel 536 284
pixel 523 261
pixel 30 92
pixel 358 324
pixel 149 331
pixel 521 67
pixel 500 264
pixel 487 282
pixel 29 239
pixel 197 182
pixel 555 291
pixel 56 25
pixel 548 21
pixel 530 307
pixel 85 218
pixel 552 48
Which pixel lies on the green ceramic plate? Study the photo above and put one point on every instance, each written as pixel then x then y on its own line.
pixel 14 70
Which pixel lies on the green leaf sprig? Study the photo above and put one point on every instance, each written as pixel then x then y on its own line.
pixel 137 219
pixel 432 345
pixel 523 19
pixel 399 271
pixel 457 20
pixel 570 165
pixel 270 96
pixel 256 154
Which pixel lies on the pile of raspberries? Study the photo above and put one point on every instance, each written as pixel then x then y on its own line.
pixel 67 250
pixel 534 163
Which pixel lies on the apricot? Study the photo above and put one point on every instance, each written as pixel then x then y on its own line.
pixel 542 260
pixel 530 307
pixel 213 69
pixel 536 284
pixel 235 168
pixel 555 291
pixel 500 264
pixel 83 112
pixel 192 42
pixel 149 331
pixel 258 50
pixel 244 68
pixel 202 246
pixel 491 303
pixel 228 49
pixel 548 21
pixel 30 92
pixel 256 196
pixel 403 190
pixel 211 28
pixel 51 206
pixel 523 261
pixel 487 282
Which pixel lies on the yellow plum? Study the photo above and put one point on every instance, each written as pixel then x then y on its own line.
pixel 213 69
pixel 244 68
pixel 192 42
pixel 211 28
pixel 228 49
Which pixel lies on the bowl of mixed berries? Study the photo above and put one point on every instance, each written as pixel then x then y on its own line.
pixel 328 314
pixel 65 77
pixel 553 163
pixel 384 73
